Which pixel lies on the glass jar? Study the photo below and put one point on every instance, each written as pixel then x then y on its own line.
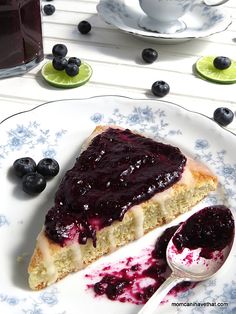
pixel 21 45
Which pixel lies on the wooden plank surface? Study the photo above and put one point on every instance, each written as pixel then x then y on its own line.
pixel 117 64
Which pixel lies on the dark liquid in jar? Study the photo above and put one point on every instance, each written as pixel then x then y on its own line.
pixel 20 32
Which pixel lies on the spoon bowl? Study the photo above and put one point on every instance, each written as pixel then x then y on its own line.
pixel 191 265
pixel 196 262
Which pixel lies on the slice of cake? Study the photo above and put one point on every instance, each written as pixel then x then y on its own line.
pixel 121 186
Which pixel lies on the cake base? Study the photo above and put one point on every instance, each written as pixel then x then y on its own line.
pixel 51 262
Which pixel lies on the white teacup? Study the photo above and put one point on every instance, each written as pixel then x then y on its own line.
pixel 162 15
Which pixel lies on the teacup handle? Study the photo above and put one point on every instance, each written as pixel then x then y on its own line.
pixel 214 4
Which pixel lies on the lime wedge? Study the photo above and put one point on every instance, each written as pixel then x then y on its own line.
pixel 62 80
pixel 206 69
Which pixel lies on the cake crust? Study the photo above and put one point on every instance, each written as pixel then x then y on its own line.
pixel 51 262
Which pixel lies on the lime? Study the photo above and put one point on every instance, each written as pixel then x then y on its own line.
pixel 62 80
pixel 206 69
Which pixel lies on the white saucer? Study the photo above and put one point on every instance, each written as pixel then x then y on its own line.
pixel 202 21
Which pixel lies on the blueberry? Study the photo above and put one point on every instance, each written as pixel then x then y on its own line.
pixel 72 69
pixel 24 165
pixel 74 60
pixel 149 55
pixel 222 63
pixel 223 116
pixel 59 63
pixel 59 50
pixel 160 88
pixel 84 27
pixel 48 167
pixel 49 9
pixel 100 288
pixel 33 183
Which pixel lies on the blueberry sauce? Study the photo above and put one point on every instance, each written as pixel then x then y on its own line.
pixel 210 229
pixel 135 279
pixel 161 244
pixel 118 170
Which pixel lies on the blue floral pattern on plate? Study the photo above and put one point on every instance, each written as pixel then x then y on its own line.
pixel 40 305
pixel 158 119
pixel 29 136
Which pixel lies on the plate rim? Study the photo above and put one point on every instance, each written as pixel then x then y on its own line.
pixel 169 103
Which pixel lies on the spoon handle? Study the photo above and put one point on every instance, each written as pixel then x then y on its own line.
pixel 151 306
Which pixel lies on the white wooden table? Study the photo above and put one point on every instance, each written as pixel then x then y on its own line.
pixel 118 69
pixel 117 66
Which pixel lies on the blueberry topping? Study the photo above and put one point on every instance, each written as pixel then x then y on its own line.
pixel 223 116
pixel 154 272
pixel 23 166
pixel 59 50
pixel 160 88
pixel 92 201
pixel 72 69
pixel 48 167
pixel 74 60
pixel 149 55
pixel 84 27
pixel 100 288
pixel 112 286
pixel 210 229
pixel 59 63
pixel 60 226
pixel 222 63
pixel 49 9
pixel 33 183
pixel 162 242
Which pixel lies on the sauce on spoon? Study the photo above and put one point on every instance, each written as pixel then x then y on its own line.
pixel 198 249
pixel 211 229
pixel 122 281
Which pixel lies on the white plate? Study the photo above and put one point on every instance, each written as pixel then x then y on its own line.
pixel 202 21
pixel 57 129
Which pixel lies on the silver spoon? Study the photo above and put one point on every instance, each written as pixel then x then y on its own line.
pixel 185 266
